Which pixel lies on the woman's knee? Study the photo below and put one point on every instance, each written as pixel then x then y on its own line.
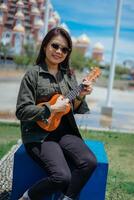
pixel 62 178
pixel 90 163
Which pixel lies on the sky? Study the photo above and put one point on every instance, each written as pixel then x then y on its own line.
pixel 96 18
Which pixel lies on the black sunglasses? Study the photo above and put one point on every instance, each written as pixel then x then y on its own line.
pixel 64 50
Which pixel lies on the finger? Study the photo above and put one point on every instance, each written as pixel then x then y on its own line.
pixel 60 97
pixel 67 100
pixel 88 88
pixel 86 79
pixel 87 83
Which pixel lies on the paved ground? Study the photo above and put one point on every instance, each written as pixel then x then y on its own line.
pixel 6 170
pixel 123 110
pixel 122 103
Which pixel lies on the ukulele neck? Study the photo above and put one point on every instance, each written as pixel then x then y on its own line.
pixel 95 73
pixel 75 92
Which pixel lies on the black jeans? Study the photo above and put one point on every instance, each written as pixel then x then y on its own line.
pixel 53 157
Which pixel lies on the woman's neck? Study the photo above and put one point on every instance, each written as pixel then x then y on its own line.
pixel 52 68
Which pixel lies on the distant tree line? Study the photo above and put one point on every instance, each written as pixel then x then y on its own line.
pixel 78 60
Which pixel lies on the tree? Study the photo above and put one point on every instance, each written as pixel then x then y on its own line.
pixel 28 57
pixel 90 63
pixel 120 70
pixel 21 60
pixel 4 48
pixel 78 60
pixel 30 52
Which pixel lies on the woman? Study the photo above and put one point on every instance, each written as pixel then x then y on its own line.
pixel 52 149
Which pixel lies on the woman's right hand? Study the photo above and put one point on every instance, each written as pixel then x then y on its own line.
pixel 60 104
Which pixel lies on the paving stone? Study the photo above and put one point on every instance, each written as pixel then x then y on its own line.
pixel 6 166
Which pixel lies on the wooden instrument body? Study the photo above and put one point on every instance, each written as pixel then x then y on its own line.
pixel 54 120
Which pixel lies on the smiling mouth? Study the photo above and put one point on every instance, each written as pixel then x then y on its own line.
pixel 57 57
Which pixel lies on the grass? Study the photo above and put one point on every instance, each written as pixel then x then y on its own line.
pixel 9 134
pixel 119 148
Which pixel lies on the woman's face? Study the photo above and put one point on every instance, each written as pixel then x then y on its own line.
pixel 56 50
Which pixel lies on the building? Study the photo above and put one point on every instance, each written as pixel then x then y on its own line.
pixel 81 43
pixel 98 52
pixel 22 22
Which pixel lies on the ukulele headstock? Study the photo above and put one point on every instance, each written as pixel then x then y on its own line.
pixel 94 74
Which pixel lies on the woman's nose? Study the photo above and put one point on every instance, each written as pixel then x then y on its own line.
pixel 59 50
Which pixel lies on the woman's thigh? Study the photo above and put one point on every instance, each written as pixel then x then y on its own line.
pixel 48 155
pixel 76 149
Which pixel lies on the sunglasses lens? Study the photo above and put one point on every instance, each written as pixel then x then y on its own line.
pixel 64 50
pixel 55 46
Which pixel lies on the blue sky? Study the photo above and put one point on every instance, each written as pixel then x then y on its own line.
pixel 96 18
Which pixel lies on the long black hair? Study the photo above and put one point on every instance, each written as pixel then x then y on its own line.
pixel 52 33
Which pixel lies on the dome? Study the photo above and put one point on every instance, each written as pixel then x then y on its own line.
pixel 56 15
pixel 83 39
pixel 98 47
pixel 32 1
pixel 52 20
pixel 35 11
pixel 1 19
pixel 19 28
pixel 20 3
pixel 63 25
pixel 19 15
pixel 38 23
pixel 3 7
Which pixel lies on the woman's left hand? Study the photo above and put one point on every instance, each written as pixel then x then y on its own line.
pixel 87 87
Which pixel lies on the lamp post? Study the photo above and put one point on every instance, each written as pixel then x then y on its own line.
pixel 108 108
pixel 46 17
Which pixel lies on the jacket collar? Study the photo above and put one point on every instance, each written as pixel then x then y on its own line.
pixel 44 68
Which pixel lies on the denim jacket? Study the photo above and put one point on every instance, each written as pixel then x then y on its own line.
pixel 37 86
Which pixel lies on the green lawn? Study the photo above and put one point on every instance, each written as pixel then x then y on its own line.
pixel 9 134
pixel 119 147
pixel 120 151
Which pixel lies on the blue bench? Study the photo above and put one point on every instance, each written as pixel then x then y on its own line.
pixel 26 172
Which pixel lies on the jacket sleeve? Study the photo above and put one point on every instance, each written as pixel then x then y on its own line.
pixel 26 108
pixel 83 108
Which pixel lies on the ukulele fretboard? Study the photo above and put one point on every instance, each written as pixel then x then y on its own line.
pixel 74 93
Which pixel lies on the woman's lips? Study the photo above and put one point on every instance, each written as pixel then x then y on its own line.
pixel 56 57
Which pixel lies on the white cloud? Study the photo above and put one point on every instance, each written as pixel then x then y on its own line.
pixel 97 18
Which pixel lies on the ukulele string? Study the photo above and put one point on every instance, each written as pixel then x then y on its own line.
pixel 75 92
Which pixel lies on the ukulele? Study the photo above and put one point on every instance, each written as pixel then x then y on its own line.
pixel 53 121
